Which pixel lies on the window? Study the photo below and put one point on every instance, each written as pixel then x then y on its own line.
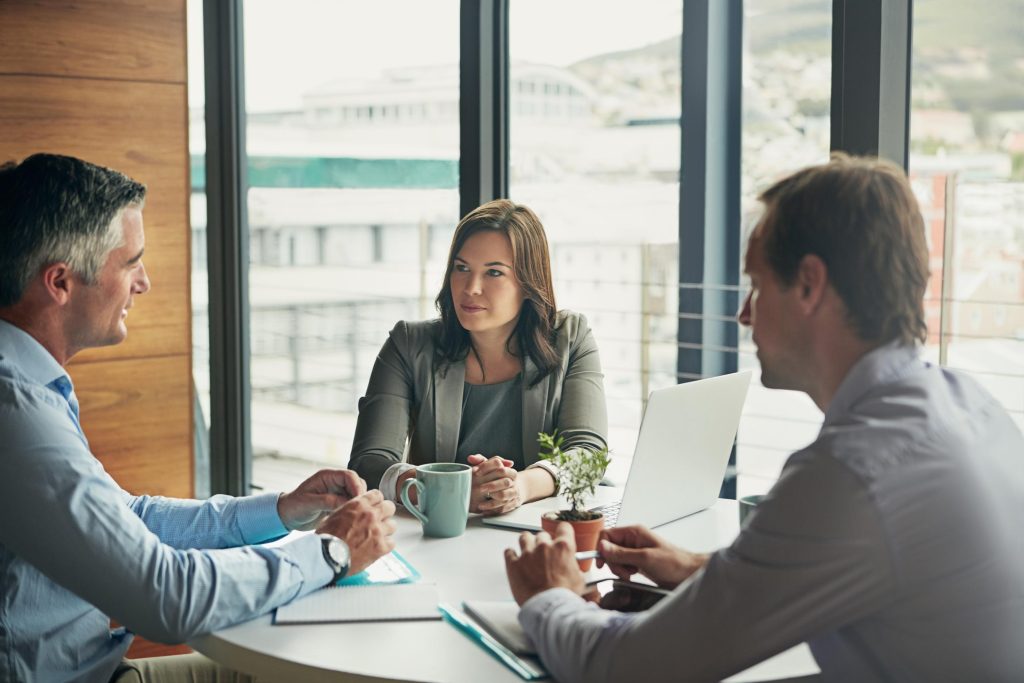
pixel 351 208
pixel 603 175
pixel 967 168
pixel 353 163
pixel 786 100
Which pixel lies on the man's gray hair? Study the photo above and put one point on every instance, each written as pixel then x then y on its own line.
pixel 57 209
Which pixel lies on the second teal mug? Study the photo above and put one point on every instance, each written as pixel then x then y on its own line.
pixel 443 491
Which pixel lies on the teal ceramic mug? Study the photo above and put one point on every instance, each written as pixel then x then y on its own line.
pixel 747 505
pixel 442 490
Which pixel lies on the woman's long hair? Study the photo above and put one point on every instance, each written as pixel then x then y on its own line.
pixel 534 334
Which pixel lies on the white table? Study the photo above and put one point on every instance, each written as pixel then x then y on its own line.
pixel 470 567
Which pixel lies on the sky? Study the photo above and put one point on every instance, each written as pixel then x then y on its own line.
pixel 295 45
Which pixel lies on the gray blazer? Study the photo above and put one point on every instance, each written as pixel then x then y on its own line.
pixel 413 397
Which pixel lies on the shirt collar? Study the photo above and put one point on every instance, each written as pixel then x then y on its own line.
pixel 882 365
pixel 21 350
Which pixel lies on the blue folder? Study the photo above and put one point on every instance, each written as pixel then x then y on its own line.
pixel 392 568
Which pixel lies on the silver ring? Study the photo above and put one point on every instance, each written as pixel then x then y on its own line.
pixel 487 496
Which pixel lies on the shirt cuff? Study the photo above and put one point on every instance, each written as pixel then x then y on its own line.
pixel 258 520
pixel 534 610
pixel 550 469
pixel 389 482
pixel 306 552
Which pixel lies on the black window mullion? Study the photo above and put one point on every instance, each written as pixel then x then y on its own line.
pixel 227 241
pixel 871 52
pixel 483 102
pixel 709 188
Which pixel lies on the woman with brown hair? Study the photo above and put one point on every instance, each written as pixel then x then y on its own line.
pixel 476 385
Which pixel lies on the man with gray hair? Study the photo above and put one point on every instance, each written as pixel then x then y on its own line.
pixel 76 549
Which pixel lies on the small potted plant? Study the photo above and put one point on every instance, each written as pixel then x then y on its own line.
pixel 579 471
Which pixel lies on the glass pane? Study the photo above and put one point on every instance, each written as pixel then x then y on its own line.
pixel 967 168
pixel 353 140
pixel 787 83
pixel 594 105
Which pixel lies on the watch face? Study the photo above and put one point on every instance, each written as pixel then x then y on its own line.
pixel 339 551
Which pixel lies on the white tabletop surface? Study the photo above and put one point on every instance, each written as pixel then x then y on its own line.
pixel 470 567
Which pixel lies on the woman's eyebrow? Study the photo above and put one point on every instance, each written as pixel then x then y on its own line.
pixel 491 263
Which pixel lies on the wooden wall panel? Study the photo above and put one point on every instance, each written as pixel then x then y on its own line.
pixel 139 410
pixel 105 80
pixel 139 129
pixel 136 40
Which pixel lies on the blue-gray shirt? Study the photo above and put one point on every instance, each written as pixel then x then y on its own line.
pixel 492 421
pixel 892 545
pixel 75 549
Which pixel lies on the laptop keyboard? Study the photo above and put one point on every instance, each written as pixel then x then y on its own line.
pixel 610 512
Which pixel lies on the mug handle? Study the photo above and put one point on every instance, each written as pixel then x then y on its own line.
pixel 408 503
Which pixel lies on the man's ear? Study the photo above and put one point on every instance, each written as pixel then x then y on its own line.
pixel 812 281
pixel 58 282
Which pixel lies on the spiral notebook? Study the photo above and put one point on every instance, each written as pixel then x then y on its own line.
pixel 386 591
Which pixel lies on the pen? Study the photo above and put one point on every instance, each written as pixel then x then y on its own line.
pixel 587 555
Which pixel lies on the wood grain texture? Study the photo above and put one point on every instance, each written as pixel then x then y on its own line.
pixel 141 40
pixel 141 130
pixel 137 415
pixel 104 80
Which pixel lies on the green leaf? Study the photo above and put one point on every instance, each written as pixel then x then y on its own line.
pixel 579 469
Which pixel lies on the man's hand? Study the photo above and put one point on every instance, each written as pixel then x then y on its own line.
pixel 544 563
pixel 317 497
pixel 365 524
pixel 495 486
pixel 631 549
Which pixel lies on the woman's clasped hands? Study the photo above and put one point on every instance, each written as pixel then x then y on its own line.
pixel 496 486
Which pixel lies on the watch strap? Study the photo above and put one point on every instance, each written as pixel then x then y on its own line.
pixel 340 570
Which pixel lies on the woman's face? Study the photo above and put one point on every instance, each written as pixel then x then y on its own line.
pixel 485 291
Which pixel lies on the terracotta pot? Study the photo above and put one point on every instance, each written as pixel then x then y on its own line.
pixel 586 533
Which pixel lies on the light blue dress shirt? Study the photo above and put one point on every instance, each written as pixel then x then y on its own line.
pixel 76 549
pixel 892 545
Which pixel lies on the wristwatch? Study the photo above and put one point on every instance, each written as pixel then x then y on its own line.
pixel 337 555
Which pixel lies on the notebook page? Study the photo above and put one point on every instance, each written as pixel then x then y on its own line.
pixel 401 601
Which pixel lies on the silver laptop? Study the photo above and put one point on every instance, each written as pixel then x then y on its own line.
pixel 681 454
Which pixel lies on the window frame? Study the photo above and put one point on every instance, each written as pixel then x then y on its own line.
pixel 870 111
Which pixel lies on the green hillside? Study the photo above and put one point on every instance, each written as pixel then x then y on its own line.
pixel 947 34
